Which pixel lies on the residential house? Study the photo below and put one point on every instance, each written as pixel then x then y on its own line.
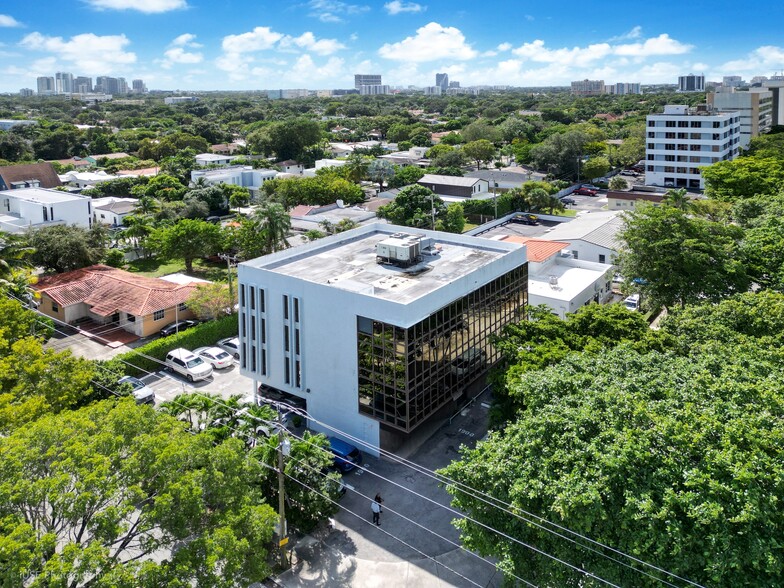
pixel 29 175
pixel 110 156
pixel 291 167
pixel 85 179
pixel 591 237
pixel 622 200
pixel 462 187
pixel 26 208
pixel 237 175
pixel 104 294
pixel 205 159
pixel 227 148
pixel 560 281
pixel 502 180
pixel 112 210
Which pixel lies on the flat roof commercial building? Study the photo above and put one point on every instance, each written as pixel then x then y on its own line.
pixel 379 328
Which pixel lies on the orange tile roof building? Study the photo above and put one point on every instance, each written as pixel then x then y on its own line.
pixel 104 294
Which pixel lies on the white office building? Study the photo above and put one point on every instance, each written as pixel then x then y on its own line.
pixel 378 329
pixel 682 140
pixel 754 106
pixel 27 208
pixel 691 83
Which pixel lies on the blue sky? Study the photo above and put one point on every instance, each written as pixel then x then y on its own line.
pixel 315 44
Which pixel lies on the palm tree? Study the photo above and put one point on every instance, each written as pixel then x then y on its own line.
pixel 138 228
pixel 274 223
pixel 356 167
pixel 14 254
pixel 677 199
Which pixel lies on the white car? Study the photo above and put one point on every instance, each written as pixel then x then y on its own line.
pixel 216 356
pixel 231 345
pixel 187 364
pixel 141 392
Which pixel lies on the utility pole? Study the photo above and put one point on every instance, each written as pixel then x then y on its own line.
pixel 432 212
pixel 284 447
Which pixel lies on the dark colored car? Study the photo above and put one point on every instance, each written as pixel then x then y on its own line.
pixel 177 327
pixel 567 200
pixel 347 457
pixel 583 191
pixel 526 219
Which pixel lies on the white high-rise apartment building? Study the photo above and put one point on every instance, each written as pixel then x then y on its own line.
pixel 366 80
pixel 588 87
pixel 45 85
pixel 681 140
pixel 63 83
pixel 755 108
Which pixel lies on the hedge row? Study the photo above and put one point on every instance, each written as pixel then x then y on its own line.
pixel 202 335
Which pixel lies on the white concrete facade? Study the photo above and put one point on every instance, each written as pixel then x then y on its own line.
pixel 238 175
pixel 300 310
pixel 565 284
pixel 755 108
pixel 39 207
pixel 682 140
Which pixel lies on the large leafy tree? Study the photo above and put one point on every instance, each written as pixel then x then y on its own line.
pixel 674 258
pixel 481 151
pixel 127 497
pixel 187 240
pixel 380 171
pixel 14 254
pixel 414 206
pixel 744 177
pixel 405 176
pixel 62 248
pixel 673 459
pixel 286 139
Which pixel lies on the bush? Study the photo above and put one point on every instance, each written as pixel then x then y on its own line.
pixel 205 334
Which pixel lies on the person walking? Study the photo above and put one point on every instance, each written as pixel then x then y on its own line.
pixel 375 506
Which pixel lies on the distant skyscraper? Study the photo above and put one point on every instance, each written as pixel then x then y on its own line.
pixel 63 83
pixel 45 85
pixel 691 83
pixel 454 84
pixel 122 86
pixel 442 81
pixel 26 92
pixel 588 88
pixel 83 85
pixel 138 87
pixel 107 85
pixel 366 80
pixel 622 88
pixel 733 82
pixel 374 89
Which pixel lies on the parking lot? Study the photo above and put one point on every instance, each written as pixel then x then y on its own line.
pixel 225 383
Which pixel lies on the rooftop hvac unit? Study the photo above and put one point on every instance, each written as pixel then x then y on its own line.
pixel 553 281
pixel 566 253
pixel 400 249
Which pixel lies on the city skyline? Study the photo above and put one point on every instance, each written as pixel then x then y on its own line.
pixel 238 45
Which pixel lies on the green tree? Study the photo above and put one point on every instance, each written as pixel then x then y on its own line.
pixel 414 206
pixel 405 176
pixel 236 196
pixel 453 221
pixel 287 139
pixel 743 178
pixel 674 258
pixel 63 248
pixel 273 224
pixel 14 254
pixel 120 483
pixel 618 183
pixel 14 148
pixel 171 145
pixel 595 167
pixel 356 167
pixel 672 447
pixel 187 240
pixel 481 130
pixel 209 301
pixel 481 151
pixel 380 171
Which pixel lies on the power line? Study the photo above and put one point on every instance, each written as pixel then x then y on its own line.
pixel 427 472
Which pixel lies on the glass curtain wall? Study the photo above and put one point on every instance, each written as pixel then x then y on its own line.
pixel 407 374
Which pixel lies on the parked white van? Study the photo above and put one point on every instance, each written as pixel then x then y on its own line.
pixel 188 364
pixel 632 302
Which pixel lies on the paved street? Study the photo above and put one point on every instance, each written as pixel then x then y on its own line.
pixel 414 546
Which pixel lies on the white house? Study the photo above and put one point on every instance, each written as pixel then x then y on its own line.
pixel 591 237
pixel 291 167
pixel 237 175
pixel 112 210
pixel 378 329
pixel 560 281
pixel 84 179
pixel 205 159
pixel 40 207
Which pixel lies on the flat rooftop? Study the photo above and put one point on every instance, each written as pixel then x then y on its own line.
pixel 42 195
pixel 571 281
pixel 349 263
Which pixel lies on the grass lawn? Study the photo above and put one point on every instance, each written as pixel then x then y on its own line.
pixel 469 226
pixel 568 212
pixel 155 268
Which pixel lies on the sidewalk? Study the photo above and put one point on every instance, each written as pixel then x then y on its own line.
pixel 401 553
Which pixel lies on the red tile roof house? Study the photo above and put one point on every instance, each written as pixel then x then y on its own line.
pixel 104 294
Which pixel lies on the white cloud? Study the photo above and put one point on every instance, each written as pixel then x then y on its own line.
pixel 529 18
pixel 396 7
pixel 504 47
pixel 308 42
pixel 760 61
pixel 334 10
pixel 146 6
pixel 185 40
pixel 579 56
pixel 89 53
pixel 9 21
pixel 258 39
pixel 635 33
pixel 661 45
pixel 305 70
pixel 432 42
pixel 180 55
